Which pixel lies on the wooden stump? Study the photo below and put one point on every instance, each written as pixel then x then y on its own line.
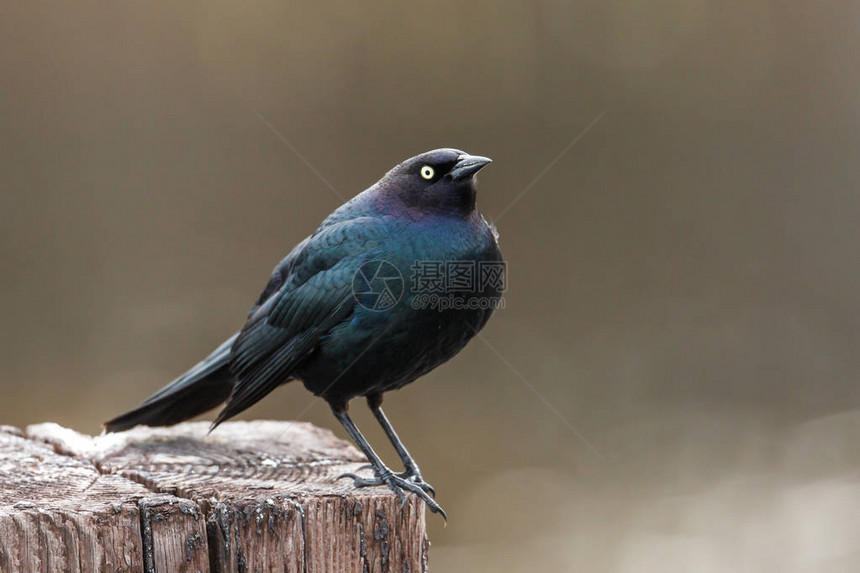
pixel 251 496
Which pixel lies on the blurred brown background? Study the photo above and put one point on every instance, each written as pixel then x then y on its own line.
pixel 684 286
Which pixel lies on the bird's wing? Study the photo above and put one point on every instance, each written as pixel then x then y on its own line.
pixel 313 295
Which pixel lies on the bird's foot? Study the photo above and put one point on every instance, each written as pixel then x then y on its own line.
pixel 411 474
pixel 399 485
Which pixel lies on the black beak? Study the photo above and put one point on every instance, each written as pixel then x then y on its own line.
pixel 468 165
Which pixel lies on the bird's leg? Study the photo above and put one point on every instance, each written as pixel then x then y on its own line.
pixel 384 475
pixel 374 402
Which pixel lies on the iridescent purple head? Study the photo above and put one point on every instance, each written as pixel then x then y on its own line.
pixel 439 181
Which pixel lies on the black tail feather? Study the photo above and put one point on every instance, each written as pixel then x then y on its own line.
pixel 202 388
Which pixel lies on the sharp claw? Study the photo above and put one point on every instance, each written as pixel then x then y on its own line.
pixel 426 487
pixel 443 514
pixel 418 490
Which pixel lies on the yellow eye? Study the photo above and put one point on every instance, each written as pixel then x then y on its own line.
pixel 427 172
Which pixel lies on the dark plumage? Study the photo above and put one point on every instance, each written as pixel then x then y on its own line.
pixel 320 319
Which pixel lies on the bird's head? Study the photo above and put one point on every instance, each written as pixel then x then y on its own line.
pixel 438 181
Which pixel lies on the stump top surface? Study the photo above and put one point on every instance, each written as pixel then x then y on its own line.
pixel 237 459
pixel 32 475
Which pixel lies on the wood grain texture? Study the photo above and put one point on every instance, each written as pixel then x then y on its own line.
pixel 250 496
pixel 174 535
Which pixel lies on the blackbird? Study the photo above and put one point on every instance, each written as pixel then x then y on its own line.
pixel 391 285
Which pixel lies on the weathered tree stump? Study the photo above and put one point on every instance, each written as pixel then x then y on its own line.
pixel 251 496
